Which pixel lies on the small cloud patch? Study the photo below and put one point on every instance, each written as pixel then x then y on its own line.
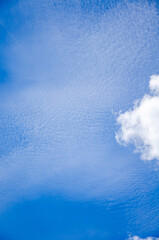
pixel 138 238
pixel 140 126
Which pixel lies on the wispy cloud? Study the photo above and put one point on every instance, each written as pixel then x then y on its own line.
pixel 66 77
pixel 140 125
pixel 138 238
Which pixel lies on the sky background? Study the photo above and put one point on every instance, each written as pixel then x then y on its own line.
pixel 67 69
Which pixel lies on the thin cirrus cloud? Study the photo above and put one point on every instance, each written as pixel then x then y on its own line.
pixel 140 125
pixel 65 78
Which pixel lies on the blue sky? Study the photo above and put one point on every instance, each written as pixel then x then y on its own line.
pixel 67 70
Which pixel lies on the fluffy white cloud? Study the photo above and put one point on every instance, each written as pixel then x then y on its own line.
pixel 138 238
pixel 154 83
pixel 140 125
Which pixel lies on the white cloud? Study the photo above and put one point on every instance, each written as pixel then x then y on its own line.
pixel 154 83
pixel 138 238
pixel 140 125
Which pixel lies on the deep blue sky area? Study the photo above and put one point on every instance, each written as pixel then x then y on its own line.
pixel 67 68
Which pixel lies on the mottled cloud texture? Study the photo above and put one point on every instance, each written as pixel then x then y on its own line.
pixel 140 125
pixel 138 238
pixel 65 78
